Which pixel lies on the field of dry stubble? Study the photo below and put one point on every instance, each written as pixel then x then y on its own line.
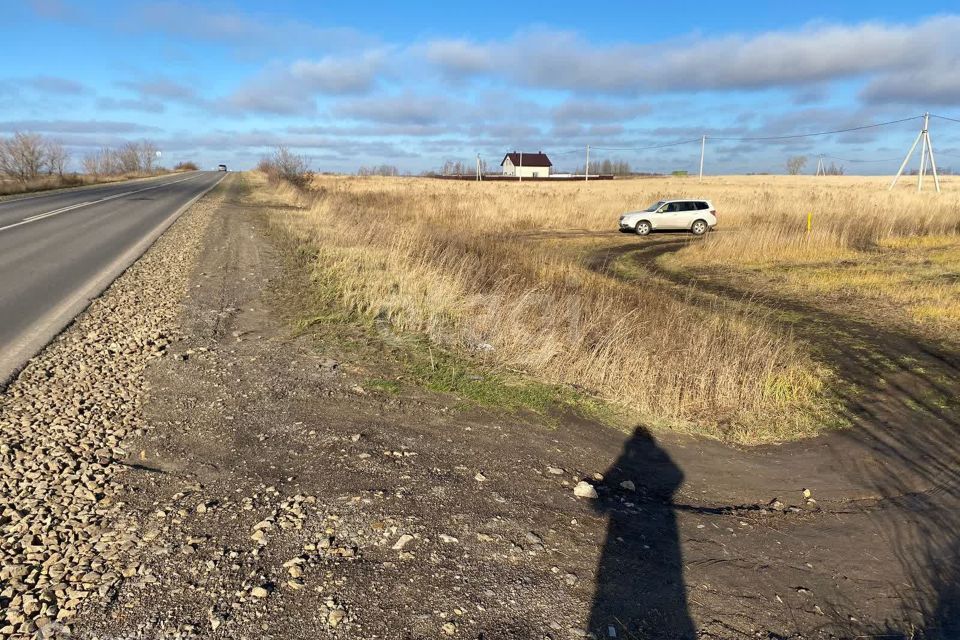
pixel 503 271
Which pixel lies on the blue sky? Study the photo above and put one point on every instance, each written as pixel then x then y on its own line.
pixel 415 84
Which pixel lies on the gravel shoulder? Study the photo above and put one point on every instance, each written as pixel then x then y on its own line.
pixel 64 421
pixel 251 482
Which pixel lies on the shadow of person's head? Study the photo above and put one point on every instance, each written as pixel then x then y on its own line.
pixel 648 467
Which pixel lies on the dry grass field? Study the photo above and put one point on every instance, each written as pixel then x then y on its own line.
pixel 871 253
pixel 10 187
pixel 501 271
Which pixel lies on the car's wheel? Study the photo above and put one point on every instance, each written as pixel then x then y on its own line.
pixel 643 228
pixel 699 228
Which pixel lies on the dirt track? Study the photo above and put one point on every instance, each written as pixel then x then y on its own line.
pixel 278 491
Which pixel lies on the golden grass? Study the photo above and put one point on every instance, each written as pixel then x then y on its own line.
pixel 875 253
pixel 475 267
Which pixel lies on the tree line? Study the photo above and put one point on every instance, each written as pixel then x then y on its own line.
pixel 28 156
pixel 25 157
pixel 378 170
pixel 607 167
pixel 131 157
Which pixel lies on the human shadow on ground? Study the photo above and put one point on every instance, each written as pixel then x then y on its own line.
pixel 640 590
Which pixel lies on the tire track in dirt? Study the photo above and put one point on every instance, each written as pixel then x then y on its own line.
pixel 900 396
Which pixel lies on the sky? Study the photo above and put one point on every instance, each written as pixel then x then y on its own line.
pixel 416 84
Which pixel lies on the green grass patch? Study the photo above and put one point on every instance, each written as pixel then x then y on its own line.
pixel 474 382
pixel 386 386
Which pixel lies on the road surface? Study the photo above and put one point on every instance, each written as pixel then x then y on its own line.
pixel 60 250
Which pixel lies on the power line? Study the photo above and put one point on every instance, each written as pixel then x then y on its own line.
pixel 944 118
pixel 657 146
pixel 818 133
pixel 860 161
pixel 762 138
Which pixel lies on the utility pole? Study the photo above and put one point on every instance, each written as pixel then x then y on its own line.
pixel 479 175
pixel 703 149
pixel 926 150
pixel 586 169
pixel 933 163
pixel 821 167
pixel 520 169
pixel 923 159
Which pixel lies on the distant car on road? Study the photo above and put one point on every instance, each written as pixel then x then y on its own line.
pixel 695 216
pixel 221 167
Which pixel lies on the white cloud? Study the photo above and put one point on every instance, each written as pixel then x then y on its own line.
pixel 161 87
pixel 293 89
pixel 937 84
pixel 339 76
pixel 55 85
pixel 247 31
pixel 403 109
pixel 131 104
pixel 458 56
pixel 76 126
pixel 813 54
pixel 577 110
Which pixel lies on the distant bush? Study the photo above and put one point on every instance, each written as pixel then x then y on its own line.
pixel 379 170
pixel 186 166
pixel 287 166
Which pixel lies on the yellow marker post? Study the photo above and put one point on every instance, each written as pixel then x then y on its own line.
pixel 809 222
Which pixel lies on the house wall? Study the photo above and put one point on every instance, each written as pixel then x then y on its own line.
pixel 533 172
pixel 527 172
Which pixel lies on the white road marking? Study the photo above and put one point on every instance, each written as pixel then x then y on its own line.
pixel 55 212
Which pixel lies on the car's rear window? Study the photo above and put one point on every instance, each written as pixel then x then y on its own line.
pixel 702 205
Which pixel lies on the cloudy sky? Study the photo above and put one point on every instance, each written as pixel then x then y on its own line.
pixel 414 84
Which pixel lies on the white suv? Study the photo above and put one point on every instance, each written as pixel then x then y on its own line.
pixel 696 216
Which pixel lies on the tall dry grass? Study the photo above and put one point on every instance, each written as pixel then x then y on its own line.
pixel 475 267
pixel 765 218
pixel 871 252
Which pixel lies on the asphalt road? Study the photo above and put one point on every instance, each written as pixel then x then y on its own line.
pixel 60 250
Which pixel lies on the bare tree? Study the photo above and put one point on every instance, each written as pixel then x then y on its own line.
pixel 103 162
pixel 57 158
pixel 148 153
pixel 24 156
pixel 795 164
pixel 128 157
